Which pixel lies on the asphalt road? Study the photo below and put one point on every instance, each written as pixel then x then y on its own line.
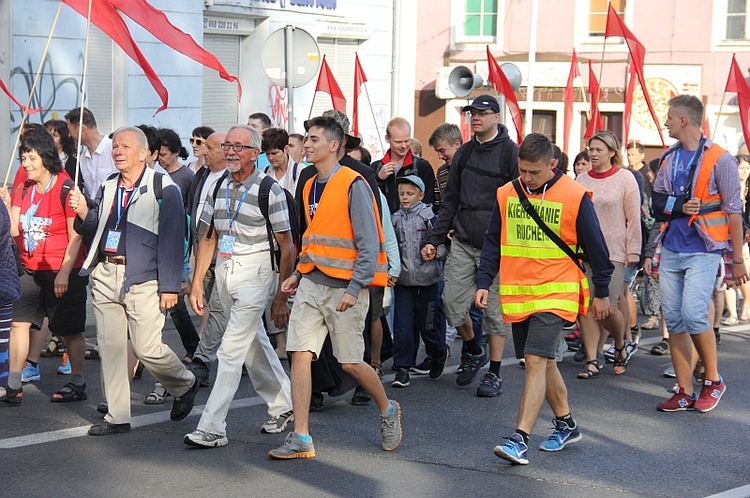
pixel 628 448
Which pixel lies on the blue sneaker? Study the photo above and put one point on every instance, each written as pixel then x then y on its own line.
pixel 514 450
pixel 64 368
pixel 561 436
pixel 30 374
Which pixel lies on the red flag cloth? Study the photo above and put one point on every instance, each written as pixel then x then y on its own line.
pixel 595 119
pixel 569 99
pixel 629 102
pixel 27 110
pixel 359 80
pixel 105 17
pixel 501 84
pixel 327 83
pixel 616 27
pixel 156 22
pixel 736 83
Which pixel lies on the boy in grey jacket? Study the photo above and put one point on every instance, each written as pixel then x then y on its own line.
pixel 416 292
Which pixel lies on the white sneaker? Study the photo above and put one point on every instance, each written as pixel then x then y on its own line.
pixel 277 424
pixel 205 439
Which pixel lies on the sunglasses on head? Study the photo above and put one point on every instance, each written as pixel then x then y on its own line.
pixel 197 141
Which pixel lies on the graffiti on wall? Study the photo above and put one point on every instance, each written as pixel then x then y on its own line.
pixel 51 92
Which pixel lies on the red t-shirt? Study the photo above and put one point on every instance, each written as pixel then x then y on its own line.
pixel 44 236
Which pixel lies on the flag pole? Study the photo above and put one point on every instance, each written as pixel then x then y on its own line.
pixel 372 111
pixel 83 95
pixel 25 114
pixel 721 108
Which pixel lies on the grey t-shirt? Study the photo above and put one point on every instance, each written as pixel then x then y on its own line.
pixel 183 177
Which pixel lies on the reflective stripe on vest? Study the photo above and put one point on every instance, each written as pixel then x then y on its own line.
pixel 328 243
pixel 535 274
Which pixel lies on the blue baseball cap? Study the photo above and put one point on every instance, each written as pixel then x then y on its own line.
pixel 411 179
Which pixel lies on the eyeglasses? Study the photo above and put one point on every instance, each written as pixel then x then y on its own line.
pixel 235 147
pixel 475 112
pixel 197 141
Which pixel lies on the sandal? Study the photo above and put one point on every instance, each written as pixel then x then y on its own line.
pixel 55 347
pixel 621 361
pixel 378 370
pixel 651 323
pixel 587 372
pixel 699 374
pixel 70 392
pixel 729 321
pixel 92 354
pixel 157 396
pixel 745 317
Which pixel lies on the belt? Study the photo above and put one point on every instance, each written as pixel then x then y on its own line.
pixel 115 260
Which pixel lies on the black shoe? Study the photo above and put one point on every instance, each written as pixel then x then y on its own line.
pixel 103 408
pixel 402 379
pixel 471 368
pixel 107 429
pixel 200 370
pixel 436 367
pixel 462 365
pixel 183 405
pixel 139 370
pixel 718 336
pixel 490 386
pixel 580 355
pixel 423 368
pixel 316 402
pixel 12 396
pixel 360 397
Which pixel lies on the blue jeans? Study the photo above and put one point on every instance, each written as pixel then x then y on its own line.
pixel 687 282
pixel 414 318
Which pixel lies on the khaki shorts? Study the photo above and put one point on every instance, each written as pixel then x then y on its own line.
pixel 314 316
pixel 459 290
pixel 615 283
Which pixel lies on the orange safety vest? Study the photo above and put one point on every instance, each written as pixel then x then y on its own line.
pixel 328 243
pixel 535 274
pixel 711 220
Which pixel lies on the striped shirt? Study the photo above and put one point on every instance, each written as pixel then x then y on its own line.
pixel 249 225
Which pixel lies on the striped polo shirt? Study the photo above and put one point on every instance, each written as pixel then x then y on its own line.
pixel 249 225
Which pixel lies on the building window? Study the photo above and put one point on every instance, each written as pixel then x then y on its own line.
pixel 543 122
pixel 612 121
pixel 479 19
pixel 736 20
pixel 598 15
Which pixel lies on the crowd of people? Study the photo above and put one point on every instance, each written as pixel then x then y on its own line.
pixel 302 249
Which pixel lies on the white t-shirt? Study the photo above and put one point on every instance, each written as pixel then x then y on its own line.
pixel 208 189
pixel 97 167
pixel 290 179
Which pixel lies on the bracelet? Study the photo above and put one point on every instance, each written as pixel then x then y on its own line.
pixel 739 262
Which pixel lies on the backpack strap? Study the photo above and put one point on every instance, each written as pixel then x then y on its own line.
pixel 158 187
pixel 294 172
pixel 67 186
pixel 214 195
pixel 545 228
pixel 265 189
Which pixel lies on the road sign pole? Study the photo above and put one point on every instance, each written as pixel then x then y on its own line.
pixel 289 74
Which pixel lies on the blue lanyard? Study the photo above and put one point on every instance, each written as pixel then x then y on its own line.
pixel 239 205
pixel 33 193
pixel 120 209
pixel 676 164
pixel 315 184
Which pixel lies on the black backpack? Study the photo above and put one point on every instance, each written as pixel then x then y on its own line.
pixel 158 188
pixel 292 210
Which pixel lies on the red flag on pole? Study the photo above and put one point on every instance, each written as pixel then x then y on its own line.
pixel 327 83
pixel 359 80
pixel 569 98
pixel 736 83
pixel 616 27
pixel 156 22
pixel 501 84
pixel 629 102
pixel 595 119
pixel 105 17
pixel 28 110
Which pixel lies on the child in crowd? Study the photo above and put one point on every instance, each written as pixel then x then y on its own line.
pixel 416 292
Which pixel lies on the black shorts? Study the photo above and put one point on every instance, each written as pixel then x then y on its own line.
pixel 67 314
pixel 537 335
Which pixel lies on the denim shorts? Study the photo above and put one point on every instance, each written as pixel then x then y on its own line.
pixel 686 282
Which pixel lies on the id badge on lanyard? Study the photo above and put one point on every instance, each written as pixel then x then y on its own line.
pixel 227 242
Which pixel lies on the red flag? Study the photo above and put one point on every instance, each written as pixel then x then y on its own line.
pixel 616 27
pixel 359 80
pixel 736 83
pixel 156 22
pixel 29 111
pixel 501 84
pixel 569 98
pixel 106 18
pixel 629 102
pixel 595 119
pixel 327 83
